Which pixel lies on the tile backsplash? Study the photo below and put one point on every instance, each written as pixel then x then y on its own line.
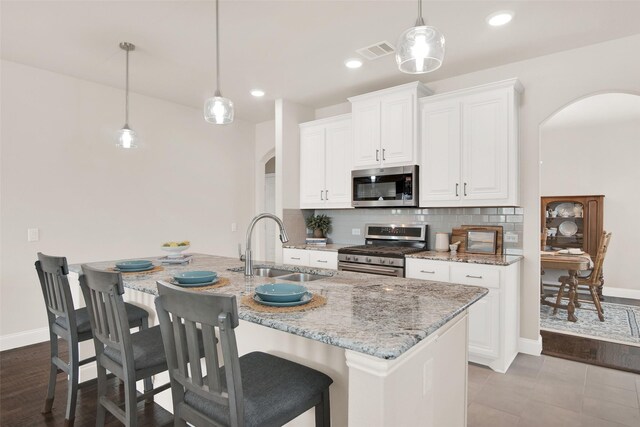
pixel 438 219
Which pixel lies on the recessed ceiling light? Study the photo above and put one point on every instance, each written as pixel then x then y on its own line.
pixel 257 93
pixel 500 18
pixel 353 63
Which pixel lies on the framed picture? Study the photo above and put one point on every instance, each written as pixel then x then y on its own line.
pixel 481 242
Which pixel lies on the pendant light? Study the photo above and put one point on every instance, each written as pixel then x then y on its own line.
pixel 420 49
pixel 126 137
pixel 218 109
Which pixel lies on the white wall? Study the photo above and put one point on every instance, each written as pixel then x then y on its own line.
pixel 265 148
pixel 62 173
pixel 580 158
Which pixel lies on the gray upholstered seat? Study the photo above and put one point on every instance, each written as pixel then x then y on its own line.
pixel 130 357
pixel 134 313
pixel 71 325
pixel 257 389
pixel 275 391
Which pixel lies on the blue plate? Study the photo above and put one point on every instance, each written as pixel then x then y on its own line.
pixel 195 285
pixel 195 277
pixel 134 270
pixel 306 298
pixel 280 292
pixel 132 264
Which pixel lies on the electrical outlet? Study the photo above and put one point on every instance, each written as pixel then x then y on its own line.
pixel 510 237
pixel 355 231
pixel 33 234
pixel 234 227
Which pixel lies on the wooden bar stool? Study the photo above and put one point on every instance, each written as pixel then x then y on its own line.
pixel 131 357
pixel 72 325
pixel 257 389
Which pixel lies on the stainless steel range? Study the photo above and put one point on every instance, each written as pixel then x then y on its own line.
pixel 384 250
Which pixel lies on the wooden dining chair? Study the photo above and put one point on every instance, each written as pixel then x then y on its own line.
pixel 257 389
pixel 593 281
pixel 72 325
pixel 131 357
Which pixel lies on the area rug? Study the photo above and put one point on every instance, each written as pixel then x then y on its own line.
pixel 620 322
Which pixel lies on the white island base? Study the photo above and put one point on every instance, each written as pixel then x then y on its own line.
pixel 425 386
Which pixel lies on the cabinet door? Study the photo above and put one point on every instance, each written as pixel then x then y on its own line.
pixel 484 325
pixel 312 167
pixel 338 155
pixel 440 166
pixel 295 256
pixel 398 129
pixel 485 146
pixel 366 134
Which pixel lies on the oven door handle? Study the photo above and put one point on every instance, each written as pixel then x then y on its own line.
pixel 364 268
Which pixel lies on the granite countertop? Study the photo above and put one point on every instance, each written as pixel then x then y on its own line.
pixel 330 247
pixel 376 315
pixel 468 258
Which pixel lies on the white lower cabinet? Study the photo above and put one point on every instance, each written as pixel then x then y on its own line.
pixel 310 258
pixel 493 320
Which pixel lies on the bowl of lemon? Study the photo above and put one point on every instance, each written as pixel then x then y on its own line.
pixel 175 249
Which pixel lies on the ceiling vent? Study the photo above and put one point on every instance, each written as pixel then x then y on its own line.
pixel 376 50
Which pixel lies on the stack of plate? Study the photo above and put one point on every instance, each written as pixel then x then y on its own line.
pixel 134 265
pixel 282 295
pixel 195 279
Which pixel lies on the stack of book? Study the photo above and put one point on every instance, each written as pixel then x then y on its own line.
pixel 316 241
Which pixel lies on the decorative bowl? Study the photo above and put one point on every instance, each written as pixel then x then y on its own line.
pixel 174 251
pixel 280 292
pixel 134 264
pixel 192 277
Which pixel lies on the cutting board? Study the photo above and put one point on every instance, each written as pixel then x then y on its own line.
pixel 460 234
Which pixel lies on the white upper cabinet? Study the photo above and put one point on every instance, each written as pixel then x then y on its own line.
pixel 469 150
pixel 385 126
pixel 325 163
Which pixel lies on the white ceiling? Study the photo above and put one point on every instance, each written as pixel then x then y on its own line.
pixel 291 49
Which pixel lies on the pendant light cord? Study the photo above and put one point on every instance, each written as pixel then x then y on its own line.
pixel 126 96
pixel 419 21
pixel 217 50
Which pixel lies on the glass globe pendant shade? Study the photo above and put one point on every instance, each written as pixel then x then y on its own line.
pixel 127 138
pixel 218 110
pixel 420 49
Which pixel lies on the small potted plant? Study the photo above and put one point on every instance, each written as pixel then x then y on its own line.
pixel 320 224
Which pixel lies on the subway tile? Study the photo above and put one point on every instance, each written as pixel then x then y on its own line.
pixel 515 218
pixel 465 219
pixel 489 211
pixel 506 211
pixel 496 218
pixel 519 211
pixel 472 211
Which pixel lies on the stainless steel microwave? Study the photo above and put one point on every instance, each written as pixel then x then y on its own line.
pixel 385 187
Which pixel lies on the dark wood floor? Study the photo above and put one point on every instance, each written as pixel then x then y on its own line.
pixel 23 387
pixel 591 351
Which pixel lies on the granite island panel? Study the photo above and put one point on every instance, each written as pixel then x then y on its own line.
pixel 467 258
pixel 375 315
pixel 329 247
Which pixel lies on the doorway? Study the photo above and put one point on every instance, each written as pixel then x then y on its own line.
pixel 270 207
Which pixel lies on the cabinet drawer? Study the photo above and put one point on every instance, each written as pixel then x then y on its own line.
pixel 427 270
pixel 323 259
pixel 478 275
pixel 295 256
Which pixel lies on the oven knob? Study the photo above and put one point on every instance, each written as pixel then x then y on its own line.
pixel 390 262
pixel 382 261
pixel 355 258
pixel 348 258
pixel 368 259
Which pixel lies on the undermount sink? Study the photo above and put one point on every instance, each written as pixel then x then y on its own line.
pixel 269 272
pixel 301 277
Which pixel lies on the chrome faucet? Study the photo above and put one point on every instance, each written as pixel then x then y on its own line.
pixel 248 259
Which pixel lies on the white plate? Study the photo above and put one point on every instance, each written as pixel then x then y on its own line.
pixel 565 210
pixel 568 228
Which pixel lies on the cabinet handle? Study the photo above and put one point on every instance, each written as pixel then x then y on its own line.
pixel 298 259
pixel 457 185
pixel 473 277
pixel 326 194
pixel 321 195
pixel 383 150
pixel 465 188
pixel 428 272
pixel 324 262
pixel 377 157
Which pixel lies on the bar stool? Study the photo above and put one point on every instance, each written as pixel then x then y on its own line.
pixel 130 357
pixel 70 324
pixel 257 389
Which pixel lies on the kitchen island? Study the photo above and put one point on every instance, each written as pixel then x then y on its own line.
pixel 395 348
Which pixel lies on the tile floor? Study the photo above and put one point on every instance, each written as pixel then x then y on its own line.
pixel 547 391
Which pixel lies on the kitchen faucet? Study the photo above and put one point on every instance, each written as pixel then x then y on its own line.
pixel 248 259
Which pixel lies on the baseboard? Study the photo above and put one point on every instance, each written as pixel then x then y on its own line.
pixel 529 346
pixel 20 339
pixel 621 292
